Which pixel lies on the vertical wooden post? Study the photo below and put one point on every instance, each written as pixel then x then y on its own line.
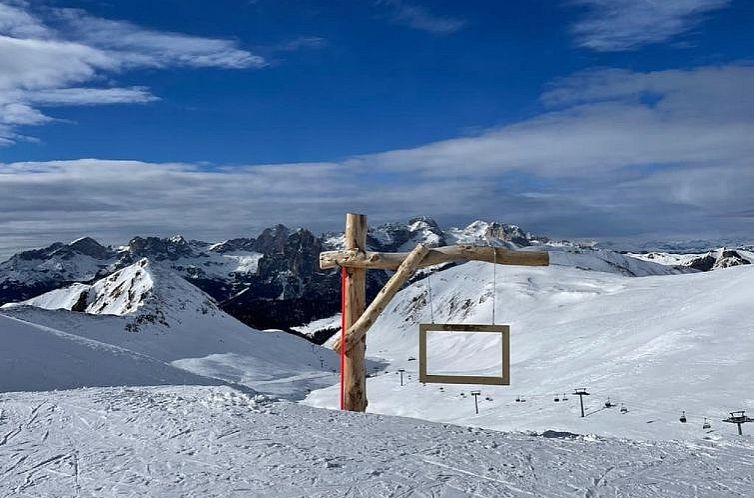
pixel 354 367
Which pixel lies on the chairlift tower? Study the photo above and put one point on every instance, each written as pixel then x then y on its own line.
pixel 581 392
pixel 476 402
pixel 739 418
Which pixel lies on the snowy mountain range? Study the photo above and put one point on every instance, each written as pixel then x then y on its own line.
pixel 274 281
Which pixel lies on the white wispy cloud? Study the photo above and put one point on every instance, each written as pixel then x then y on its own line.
pixel 419 17
pixel 618 25
pixel 618 153
pixel 132 45
pixel 56 57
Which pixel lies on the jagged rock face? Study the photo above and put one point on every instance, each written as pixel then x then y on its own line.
pixel 159 249
pixel 89 247
pixel 724 258
pixel 730 258
pixel 510 233
pixel 395 236
pixel 703 263
pixel 240 244
pixel 271 240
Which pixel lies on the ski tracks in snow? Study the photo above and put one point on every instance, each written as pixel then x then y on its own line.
pixel 214 441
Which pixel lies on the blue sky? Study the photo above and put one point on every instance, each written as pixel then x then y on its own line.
pixel 608 119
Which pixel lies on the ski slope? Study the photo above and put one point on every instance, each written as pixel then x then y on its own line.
pixel 149 310
pixel 215 441
pixel 659 344
pixel 37 358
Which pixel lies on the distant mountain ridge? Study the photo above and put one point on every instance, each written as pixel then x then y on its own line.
pixel 274 281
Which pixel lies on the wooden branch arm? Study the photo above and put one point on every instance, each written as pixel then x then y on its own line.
pixel 391 261
pixel 407 267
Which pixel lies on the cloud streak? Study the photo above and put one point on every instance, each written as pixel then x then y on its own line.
pixel 620 25
pixel 617 154
pixel 52 57
pixel 420 18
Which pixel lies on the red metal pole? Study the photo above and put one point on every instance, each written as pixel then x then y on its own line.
pixel 342 338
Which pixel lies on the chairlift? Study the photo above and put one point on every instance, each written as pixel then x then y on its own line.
pixel 706 424
pixel 683 417
pixel 623 409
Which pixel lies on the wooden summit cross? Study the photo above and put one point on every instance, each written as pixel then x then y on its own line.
pixel 355 261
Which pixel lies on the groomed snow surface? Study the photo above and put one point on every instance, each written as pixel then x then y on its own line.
pixel 196 441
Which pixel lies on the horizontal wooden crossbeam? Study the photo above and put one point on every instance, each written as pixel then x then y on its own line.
pixel 391 261
pixel 358 330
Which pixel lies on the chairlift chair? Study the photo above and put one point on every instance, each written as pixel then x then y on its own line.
pixel 683 417
pixel 557 399
pixel 706 424
pixel 623 409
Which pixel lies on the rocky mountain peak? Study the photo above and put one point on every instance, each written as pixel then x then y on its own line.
pixel 90 247
pixel 272 239
pixel 714 260
pixel 422 222
pixel 159 249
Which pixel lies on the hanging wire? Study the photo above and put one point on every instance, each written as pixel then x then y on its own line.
pixel 429 297
pixel 672 413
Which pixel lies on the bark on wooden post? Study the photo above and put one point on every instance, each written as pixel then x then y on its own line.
pixel 354 367
pixel 358 331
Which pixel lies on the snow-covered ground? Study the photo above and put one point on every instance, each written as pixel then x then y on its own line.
pixel 214 441
pixel 34 358
pixel 659 344
pixel 150 311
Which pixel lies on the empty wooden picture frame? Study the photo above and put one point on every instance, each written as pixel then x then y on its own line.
pixel 502 380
